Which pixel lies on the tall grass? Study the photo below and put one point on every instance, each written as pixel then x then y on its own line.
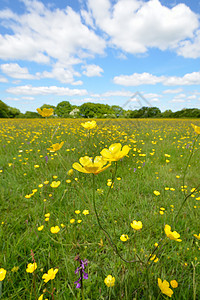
pixel 157 161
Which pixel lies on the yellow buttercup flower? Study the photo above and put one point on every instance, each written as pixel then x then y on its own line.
pixel 45 112
pixel 89 125
pixel 70 172
pixel 197 236
pixel 196 128
pixel 31 267
pixel 109 281
pixel 124 237
pixel 55 229
pixel 157 193
pixel 55 147
pixel 55 184
pixel 172 235
pixel 15 269
pixel 87 165
pixel 2 274
pixel 174 283
pixel 115 152
pixel 164 287
pixel 50 275
pixel 40 228
pixel 136 225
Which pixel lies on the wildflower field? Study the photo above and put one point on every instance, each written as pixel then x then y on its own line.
pixel 105 209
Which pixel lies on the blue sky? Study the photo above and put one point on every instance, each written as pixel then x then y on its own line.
pixel 100 51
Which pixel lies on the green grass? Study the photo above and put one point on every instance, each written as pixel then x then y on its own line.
pixel 24 143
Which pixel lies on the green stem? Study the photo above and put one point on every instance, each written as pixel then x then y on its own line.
pixel 1 283
pixel 106 233
pixel 186 196
pixel 109 190
pixel 148 284
pixel 184 201
pixel 190 156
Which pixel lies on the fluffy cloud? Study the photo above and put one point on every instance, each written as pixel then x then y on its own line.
pixel 3 79
pixel 137 79
pixel 118 94
pixel 62 72
pixel 173 91
pixel 135 25
pixel 15 71
pixel 190 48
pixel 46 90
pixel 41 34
pixel 92 70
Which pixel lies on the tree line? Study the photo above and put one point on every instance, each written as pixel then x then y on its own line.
pixel 65 109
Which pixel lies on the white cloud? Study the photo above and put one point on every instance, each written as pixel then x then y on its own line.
pixel 135 25
pixel 46 90
pixel 192 97
pixel 173 91
pixel 118 94
pixel 180 98
pixel 3 79
pixel 87 17
pixel 137 79
pixel 62 72
pixel 15 71
pixel 175 100
pixel 187 79
pixel 12 99
pixel 41 34
pixel 92 70
pixel 152 95
pixel 28 98
pixel 190 48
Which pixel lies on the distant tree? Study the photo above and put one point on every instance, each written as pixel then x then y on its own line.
pixel 118 111
pixel 13 112
pixel 95 110
pixel 167 114
pixel 30 115
pixel 190 113
pixel 4 111
pixel 63 109
pixel 146 112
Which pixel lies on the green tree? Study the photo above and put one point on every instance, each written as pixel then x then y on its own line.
pixel 63 109
pixel 167 114
pixel 146 112
pixel 95 110
pixel 13 112
pixel 31 114
pixel 118 111
pixel 4 111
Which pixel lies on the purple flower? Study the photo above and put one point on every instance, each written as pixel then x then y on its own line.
pixel 78 285
pixel 46 158
pixel 81 272
pixel 134 169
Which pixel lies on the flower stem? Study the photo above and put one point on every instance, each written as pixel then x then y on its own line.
pixel 109 190
pixel 105 232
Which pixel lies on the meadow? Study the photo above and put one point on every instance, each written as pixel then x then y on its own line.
pixel 63 232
